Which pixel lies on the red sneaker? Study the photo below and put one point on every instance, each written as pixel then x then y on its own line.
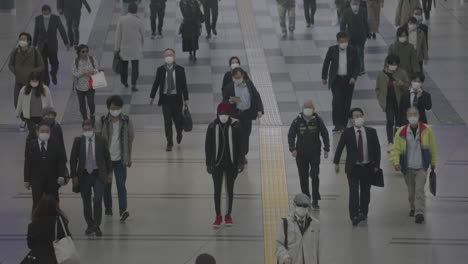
pixel 218 221
pixel 228 220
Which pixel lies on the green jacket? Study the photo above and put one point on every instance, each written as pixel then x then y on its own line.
pixel 408 57
pixel 381 86
pixel 22 63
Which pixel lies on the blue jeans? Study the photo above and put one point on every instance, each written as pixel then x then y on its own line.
pixel 120 172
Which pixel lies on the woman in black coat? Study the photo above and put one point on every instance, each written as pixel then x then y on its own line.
pixel 42 230
pixel 234 62
pixel 190 29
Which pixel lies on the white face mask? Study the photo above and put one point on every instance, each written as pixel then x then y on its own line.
pixel 238 82
pixel 46 16
pixel 402 39
pixel 359 122
pixel 115 113
pixel 234 65
pixel 343 46
pixel 412 27
pixel 416 85
pixel 223 118
pixel 392 68
pixel 88 134
pixel 413 120
pixel 355 8
pixel 44 136
pixel 34 84
pixel 308 112
pixel 169 60
pixel 301 212
pixel 22 43
pixel 418 17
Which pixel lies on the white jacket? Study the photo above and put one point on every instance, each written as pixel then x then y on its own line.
pixel 129 37
pixel 24 102
pixel 298 243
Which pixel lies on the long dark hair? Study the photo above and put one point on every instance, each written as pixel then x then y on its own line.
pixel 47 207
pixel 40 88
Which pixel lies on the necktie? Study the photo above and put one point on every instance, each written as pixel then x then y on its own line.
pixel 43 150
pixel 170 80
pixel 89 158
pixel 415 99
pixel 360 147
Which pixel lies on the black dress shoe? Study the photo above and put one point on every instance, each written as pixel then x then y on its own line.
pixel 169 147
pixel 108 212
pixel 411 213
pixel 124 217
pixel 419 219
pixel 355 221
pixel 98 232
pixel 90 230
pixel 315 205
pixel 125 84
pixel 179 138
pixel 208 36
pixel 362 217
pixel 245 161
pixel 54 79
pixel 374 36
pixel 214 31
pixel 134 89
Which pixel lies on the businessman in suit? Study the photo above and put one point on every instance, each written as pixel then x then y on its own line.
pixel 173 95
pixel 45 39
pixel 362 161
pixel 72 11
pixel 44 165
pixel 91 168
pixel 340 71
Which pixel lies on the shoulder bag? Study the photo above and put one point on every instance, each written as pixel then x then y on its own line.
pixel 65 251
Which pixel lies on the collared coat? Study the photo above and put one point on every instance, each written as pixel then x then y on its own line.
pixel 405 10
pixel 129 37
pixel 24 101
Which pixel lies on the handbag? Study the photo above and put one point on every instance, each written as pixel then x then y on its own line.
pixel 187 121
pixel 65 251
pixel 98 80
pixel 378 178
pixel 117 63
pixel 433 182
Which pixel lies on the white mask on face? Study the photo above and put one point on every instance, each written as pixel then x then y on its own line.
pixel 169 60
pixel 238 82
pixel 44 136
pixel 223 118
pixel 416 85
pixel 355 8
pixel 34 84
pixel 343 46
pixel 418 17
pixel 46 16
pixel 412 27
pixel 359 122
pixel 308 112
pixel 88 134
pixel 115 113
pixel 301 212
pixel 413 120
pixel 22 43
pixel 392 68
pixel 402 39
pixel 234 65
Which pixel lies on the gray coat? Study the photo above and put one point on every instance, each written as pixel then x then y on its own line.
pixel 129 37
pixel 104 128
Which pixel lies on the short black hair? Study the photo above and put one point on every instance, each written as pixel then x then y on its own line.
pixel 354 110
pixel 80 47
pixel 87 122
pixel 233 58
pixel 28 36
pixel 205 259
pixel 401 30
pixel 341 35
pixel 171 49
pixel 237 70
pixel 43 123
pixel 116 100
pixel 46 8
pixel 133 8
pixel 393 59
pixel 419 75
pixel 412 20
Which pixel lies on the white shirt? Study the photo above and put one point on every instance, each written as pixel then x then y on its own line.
pixel 365 149
pixel 115 151
pixel 94 149
pixel 343 63
pixel 413 38
pixel 40 142
pixel 173 78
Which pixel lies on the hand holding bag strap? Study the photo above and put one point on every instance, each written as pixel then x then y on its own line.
pixel 63 228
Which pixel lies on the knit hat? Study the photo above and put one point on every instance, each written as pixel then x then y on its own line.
pixel 224 107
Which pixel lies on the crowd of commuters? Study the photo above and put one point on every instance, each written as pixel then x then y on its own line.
pixel 104 148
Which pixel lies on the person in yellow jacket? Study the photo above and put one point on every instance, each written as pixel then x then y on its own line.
pixel 413 152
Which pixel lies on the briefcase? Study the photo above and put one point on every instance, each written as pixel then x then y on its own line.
pixel 433 182
pixel 378 178
pixel 187 121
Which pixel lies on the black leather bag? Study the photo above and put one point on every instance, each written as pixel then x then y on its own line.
pixel 117 63
pixel 378 178
pixel 433 182
pixel 187 121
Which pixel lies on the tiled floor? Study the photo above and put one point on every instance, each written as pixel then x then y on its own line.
pixel 170 194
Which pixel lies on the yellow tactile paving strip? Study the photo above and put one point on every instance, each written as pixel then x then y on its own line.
pixel 274 185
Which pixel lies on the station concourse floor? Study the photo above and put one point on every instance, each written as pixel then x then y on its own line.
pixel 170 195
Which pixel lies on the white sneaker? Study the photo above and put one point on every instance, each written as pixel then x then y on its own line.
pixel 389 147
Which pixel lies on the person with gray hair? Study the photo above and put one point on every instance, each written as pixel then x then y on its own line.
pixel 305 145
pixel 298 236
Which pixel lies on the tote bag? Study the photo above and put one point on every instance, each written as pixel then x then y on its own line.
pixel 65 250
pixel 98 80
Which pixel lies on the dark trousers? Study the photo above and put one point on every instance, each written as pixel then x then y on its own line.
pixel 157 12
pixel 360 46
pixel 246 126
pixel 73 27
pixel 135 72
pixel 90 183
pixel 427 6
pixel 211 16
pixel 359 191
pixel 120 172
pixel 51 57
pixel 392 115
pixel 310 6
pixel 308 167
pixel 218 175
pixel 172 112
pixel 41 188
pixel 32 122
pixel 342 93
pixel 421 66
pixel 16 92
pixel 84 97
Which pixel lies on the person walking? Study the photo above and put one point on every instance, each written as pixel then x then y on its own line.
pixel 340 71
pixel 91 168
pixel 354 22
pixel 117 129
pixel 413 153
pixel 362 161
pixel 129 40
pixel 298 236
pixel 373 16
pixel 173 95
pixel 32 98
pixel 48 224
pixel 190 29
pixel 287 7
pixel 83 67
pixel 44 165
pixel 305 146
pixel 340 5
pixel 205 259
pixel 418 14
pixel 72 11
pixel 417 97
pixel 427 6
pixel 391 83
pixel 45 39
pixel 406 52
pixel 24 60
pixel 417 38
pixel 157 11
pixel 223 158
pixel 310 7
pixel 234 62
pixel 404 11
pixel 246 105
pixel 210 8
pixel 48 116
pixel 125 4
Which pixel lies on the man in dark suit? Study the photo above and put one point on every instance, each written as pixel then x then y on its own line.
pixel 210 8
pixel 91 168
pixel 246 105
pixel 415 97
pixel 340 71
pixel 173 95
pixel 362 161
pixel 44 165
pixel 45 39
pixel 72 11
